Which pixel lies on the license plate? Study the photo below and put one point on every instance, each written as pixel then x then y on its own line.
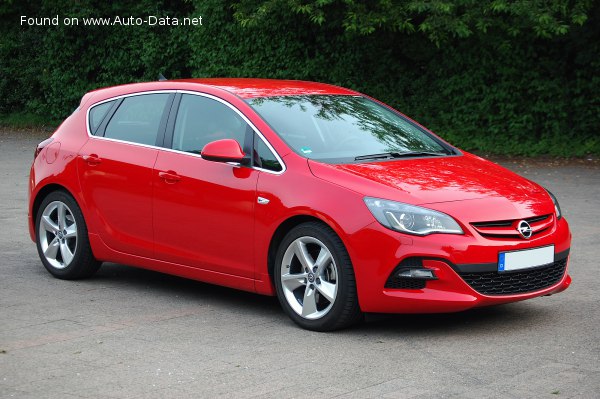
pixel 525 259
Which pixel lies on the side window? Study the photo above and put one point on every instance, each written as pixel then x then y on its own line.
pixel 264 157
pixel 201 120
pixel 97 114
pixel 138 119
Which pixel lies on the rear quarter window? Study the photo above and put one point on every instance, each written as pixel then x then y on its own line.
pixel 97 114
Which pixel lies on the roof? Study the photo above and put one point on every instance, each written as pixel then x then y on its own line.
pixel 241 87
pixel 251 87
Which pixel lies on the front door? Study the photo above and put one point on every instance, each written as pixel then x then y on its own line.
pixel 203 210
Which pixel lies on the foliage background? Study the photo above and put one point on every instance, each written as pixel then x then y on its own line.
pixel 506 77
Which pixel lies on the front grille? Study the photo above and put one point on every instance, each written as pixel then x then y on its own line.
pixel 508 228
pixel 507 283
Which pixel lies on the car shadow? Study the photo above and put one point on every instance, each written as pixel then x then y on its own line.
pixel 516 316
pixel 165 284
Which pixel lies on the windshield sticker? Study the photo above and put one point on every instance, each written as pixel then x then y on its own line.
pixel 306 150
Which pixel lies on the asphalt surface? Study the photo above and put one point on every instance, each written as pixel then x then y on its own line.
pixel 130 333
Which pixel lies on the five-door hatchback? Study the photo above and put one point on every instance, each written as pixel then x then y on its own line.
pixel 328 199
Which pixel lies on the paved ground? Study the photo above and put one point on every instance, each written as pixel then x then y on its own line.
pixel 130 333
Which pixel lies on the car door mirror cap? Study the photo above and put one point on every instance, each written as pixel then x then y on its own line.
pixel 226 150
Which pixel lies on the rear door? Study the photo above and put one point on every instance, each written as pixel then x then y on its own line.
pixel 203 210
pixel 115 169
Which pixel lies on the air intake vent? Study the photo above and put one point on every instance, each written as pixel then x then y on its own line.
pixel 410 275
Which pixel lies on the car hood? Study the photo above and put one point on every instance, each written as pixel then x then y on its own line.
pixel 434 180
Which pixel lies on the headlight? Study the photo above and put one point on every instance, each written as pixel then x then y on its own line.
pixel 556 206
pixel 411 219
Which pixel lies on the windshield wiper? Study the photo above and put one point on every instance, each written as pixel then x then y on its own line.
pixel 395 155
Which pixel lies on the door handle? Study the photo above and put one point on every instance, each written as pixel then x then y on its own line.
pixel 92 159
pixel 169 177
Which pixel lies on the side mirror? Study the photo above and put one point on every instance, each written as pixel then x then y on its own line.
pixel 226 150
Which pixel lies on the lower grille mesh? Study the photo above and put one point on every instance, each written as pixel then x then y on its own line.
pixel 494 283
pixel 400 283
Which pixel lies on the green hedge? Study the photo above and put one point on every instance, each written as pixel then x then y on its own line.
pixel 489 92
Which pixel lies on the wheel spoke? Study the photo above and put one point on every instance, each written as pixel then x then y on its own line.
pixel 66 253
pixel 327 290
pixel 52 249
pixel 49 224
pixel 309 303
pixel 308 283
pixel 293 281
pixel 303 255
pixel 323 260
pixel 71 231
pixel 61 215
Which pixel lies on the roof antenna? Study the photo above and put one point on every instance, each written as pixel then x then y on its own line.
pixel 161 77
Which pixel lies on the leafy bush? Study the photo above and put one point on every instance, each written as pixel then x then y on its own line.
pixel 504 80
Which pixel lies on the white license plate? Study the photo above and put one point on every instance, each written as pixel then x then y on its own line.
pixel 525 259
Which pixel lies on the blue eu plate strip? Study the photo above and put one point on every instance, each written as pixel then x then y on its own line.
pixel 501 256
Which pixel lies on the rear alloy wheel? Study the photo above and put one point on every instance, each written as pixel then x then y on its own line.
pixel 315 280
pixel 58 234
pixel 62 239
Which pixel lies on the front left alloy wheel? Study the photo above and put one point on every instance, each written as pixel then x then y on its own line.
pixel 62 238
pixel 315 280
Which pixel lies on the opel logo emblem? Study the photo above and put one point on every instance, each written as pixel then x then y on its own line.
pixel 524 229
pixel 311 277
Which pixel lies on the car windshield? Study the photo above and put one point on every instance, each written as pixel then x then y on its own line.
pixel 341 129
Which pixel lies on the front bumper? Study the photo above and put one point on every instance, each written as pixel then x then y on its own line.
pixel 377 251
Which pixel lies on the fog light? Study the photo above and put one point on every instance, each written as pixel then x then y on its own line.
pixel 423 274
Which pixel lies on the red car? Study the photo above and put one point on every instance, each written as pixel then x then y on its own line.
pixel 323 196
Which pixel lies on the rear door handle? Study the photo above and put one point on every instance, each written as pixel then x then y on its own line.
pixel 169 177
pixel 91 159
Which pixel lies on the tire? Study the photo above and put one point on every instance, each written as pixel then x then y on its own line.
pixel 314 279
pixel 62 238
